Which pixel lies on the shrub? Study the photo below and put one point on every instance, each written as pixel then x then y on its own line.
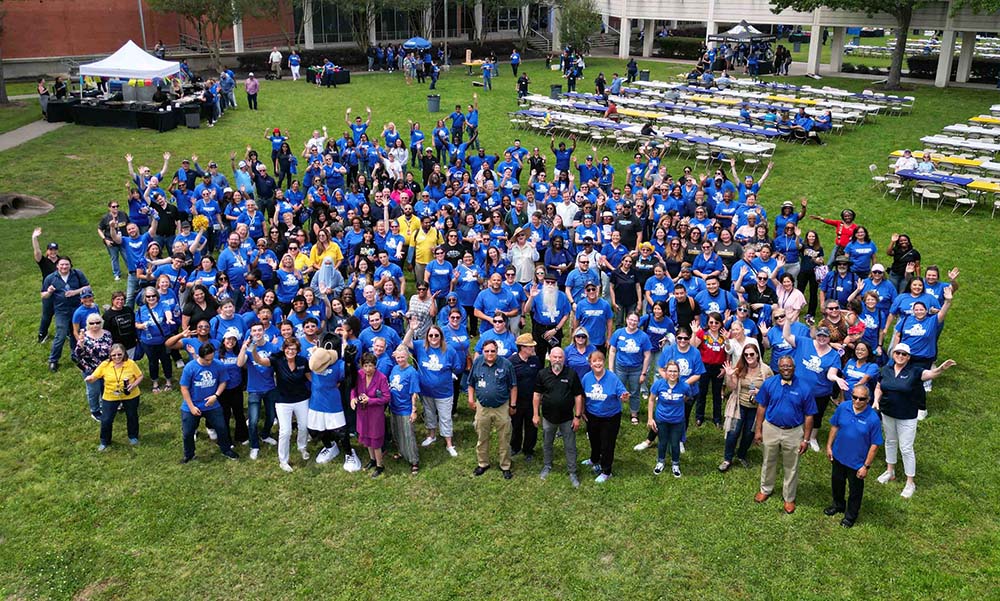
pixel 683 48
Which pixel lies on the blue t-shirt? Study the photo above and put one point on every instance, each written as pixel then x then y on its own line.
pixel 856 433
pixel 786 406
pixel 489 302
pixel 324 396
pixel 404 382
pixel 688 361
pixel 436 368
pixel 577 361
pixel 669 400
pixel 202 381
pixel 854 372
pixel 861 255
pixel 594 317
pixel 603 395
pixel 629 348
pixel 812 368
pixel 779 347
pixel 920 334
pixel 506 346
pixel 260 378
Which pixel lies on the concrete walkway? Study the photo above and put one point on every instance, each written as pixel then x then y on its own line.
pixel 26 133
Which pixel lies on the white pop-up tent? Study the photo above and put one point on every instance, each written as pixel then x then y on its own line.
pixel 131 62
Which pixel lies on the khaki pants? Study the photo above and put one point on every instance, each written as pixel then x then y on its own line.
pixel 784 444
pixel 488 418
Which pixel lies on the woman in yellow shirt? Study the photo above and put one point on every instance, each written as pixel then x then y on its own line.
pixel 121 378
pixel 424 240
pixel 325 247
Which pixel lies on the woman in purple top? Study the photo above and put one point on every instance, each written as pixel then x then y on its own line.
pixel 369 398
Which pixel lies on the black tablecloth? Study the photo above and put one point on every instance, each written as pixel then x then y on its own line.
pixel 84 114
pixel 61 110
pixel 339 77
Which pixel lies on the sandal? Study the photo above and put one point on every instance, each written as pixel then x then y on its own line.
pixel 635 420
pixel 396 456
pixel 167 387
pixel 156 388
pixel 414 470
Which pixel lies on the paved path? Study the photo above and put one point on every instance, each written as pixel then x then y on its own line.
pixel 26 133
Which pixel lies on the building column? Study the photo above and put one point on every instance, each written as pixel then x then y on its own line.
pixel 815 49
pixel 624 38
pixel 648 35
pixel 945 59
pixel 477 15
pixel 238 37
pixel 837 49
pixel 711 27
pixel 555 22
pixel 307 24
pixel 965 56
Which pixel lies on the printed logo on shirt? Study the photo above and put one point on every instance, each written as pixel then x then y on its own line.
pixel 915 330
pixel 596 393
pixel 813 364
pixel 683 366
pixel 631 346
pixel 205 379
pixel 432 363
pixel 396 383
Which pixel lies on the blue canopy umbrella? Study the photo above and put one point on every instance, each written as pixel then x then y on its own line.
pixel 417 43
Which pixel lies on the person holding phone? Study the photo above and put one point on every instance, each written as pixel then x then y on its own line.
pixel 121 378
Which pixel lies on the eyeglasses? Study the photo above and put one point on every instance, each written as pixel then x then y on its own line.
pixel 454 317
pixel 293 248
pixel 901 353
pixel 432 335
pixel 749 354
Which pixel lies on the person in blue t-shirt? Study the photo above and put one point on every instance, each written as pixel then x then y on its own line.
pixel 358 126
pixel 404 390
pixel 202 383
pixel 667 399
pixel 855 436
pixel 604 394
pixel 562 154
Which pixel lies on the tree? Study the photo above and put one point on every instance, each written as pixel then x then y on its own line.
pixel 275 11
pixel 902 10
pixel 491 9
pixel 3 80
pixel 210 19
pixel 578 21
pixel 415 11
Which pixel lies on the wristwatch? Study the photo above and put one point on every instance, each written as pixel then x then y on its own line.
pixel 577 417
pixel 513 406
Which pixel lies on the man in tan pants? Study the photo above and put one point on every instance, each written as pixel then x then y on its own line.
pixel 785 409
pixel 493 394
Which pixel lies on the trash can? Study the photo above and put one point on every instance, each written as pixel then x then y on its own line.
pixel 555 91
pixel 433 103
pixel 192 116
pixel 644 75
pixel 796 46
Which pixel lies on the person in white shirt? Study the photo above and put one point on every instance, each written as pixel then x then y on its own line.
pixel 274 59
pixel 316 141
pixel 905 162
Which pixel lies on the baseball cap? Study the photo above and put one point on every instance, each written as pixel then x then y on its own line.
pixel 902 347
pixel 243 164
pixel 53 246
pixel 250 74
pixel 87 292
pixel 878 267
pixel 213 164
pixel 823 331
pixel 580 332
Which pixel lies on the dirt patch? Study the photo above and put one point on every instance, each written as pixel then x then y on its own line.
pixel 22 206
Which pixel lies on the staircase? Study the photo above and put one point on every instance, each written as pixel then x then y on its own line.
pixel 539 41
pixel 604 43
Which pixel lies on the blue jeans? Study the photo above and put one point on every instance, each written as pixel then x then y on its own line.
pixel 48 311
pixel 130 289
pixel 213 420
pixel 63 329
pixel 109 409
pixel 115 252
pixel 95 390
pixel 630 378
pixel 670 434
pixel 654 360
pixel 742 432
pixel 253 414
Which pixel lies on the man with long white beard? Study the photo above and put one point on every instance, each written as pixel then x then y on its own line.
pixel 558 406
pixel 550 308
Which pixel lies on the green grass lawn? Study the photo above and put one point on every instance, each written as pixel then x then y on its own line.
pixel 133 524
pixel 18 113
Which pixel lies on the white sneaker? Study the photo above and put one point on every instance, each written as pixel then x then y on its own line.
pixel 602 478
pixel 676 471
pixel 254 453
pixel 269 441
pixel 285 467
pixel 886 477
pixel 682 447
pixel 921 415
pixel 212 434
pixel 428 441
pixel 658 468
pixel 814 445
pixel 928 385
pixel 642 446
pixel 179 364
pixel 352 463
pixel 323 456
pixel 908 490
pixel 453 451
pixel 305 454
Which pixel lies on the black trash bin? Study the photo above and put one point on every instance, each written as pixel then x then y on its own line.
pixel 555 91
pixel 433 103
pixel 644 75
pixel 192 116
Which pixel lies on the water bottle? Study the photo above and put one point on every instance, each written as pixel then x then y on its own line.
pixel 752 391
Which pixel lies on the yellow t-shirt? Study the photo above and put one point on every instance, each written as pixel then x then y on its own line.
pixel 424 243
pixel 408 226
pixel 316 258
pixel 114 378
pixel 302 261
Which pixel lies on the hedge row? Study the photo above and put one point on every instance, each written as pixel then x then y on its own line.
pixel 677 47
pixel 984 70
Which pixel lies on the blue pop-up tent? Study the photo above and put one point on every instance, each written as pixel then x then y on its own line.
pixel 417 43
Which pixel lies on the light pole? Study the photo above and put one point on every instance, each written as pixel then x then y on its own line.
pixel 446 32
pixel 142 26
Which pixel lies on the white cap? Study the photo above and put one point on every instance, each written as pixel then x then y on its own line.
pixel 902 347
pixel 878 267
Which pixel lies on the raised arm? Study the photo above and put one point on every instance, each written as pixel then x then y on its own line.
pixel 34 244
pixel 767 172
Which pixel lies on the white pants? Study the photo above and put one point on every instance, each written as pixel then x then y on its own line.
pixel 295 72
pixel 899 435
pixel 437 414
pixel 285 411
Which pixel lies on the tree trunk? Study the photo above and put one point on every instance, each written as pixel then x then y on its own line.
pixel 899 51
pixel 3 83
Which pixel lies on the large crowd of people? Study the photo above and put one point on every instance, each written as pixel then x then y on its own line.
pixel 345 286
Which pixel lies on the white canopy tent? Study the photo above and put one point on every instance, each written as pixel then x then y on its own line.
pixel 131 62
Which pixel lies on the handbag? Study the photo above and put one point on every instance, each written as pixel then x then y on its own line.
pixel 733 408
pixel 820 271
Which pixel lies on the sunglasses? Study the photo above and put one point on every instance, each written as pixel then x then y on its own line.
pixel 683 338
pixel 293 248
pixel 489 350
pixel 749 354
pixel 434 335
pixel 114 206
pixel 741 309
pixel 498 321
pixel 93 323
pixel 779 316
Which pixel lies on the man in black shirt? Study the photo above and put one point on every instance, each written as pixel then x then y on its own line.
pixel 629 226
pixel 266 186
pixel 46 264
pixel 683 308
pixel 558 406
pixel 169 220
pixel 526 367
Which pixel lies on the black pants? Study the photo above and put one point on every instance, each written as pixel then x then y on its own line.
pixel 524 433
pixel 840 477
pixel 807 279
pixel 232 407
pixel 822 402
pixel 513 67
pixel 340 436
pixel 252 101
pixel 603 435
pixel 541 344
pixel 710 379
